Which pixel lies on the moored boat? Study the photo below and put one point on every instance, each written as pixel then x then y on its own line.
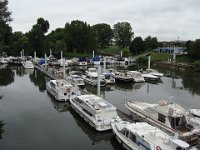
pixel 75 79
pixel 94 110
pixel 61 90
pixel 122 76
pixel 91 77
pixel 27 64
pixel 154 72
pixel 195 112
pixel 137 77
pixel 143 136
pixel 168 116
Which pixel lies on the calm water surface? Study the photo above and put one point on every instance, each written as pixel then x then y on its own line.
pixel 31 119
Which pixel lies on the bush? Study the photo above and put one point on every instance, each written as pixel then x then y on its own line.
pixel 196 65
pixel 142 60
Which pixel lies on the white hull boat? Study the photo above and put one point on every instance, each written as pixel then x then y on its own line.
pixel 137 76
pixel 76 80
pixel 27 64
pixel 154 72
pixel 123 77
pixel 149 77
pixel 195 112
pixel 109 78
pixel 168 116
pixel 62 90
pixel 91 77
pixel 143 136
pixel 194 116
pixel 3 60
pixel 95 110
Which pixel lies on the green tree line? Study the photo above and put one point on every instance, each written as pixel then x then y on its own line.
pixel 75 37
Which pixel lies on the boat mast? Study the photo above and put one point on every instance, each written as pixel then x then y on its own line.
pixel 98 79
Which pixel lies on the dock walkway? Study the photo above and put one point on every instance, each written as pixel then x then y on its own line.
pixel 52 76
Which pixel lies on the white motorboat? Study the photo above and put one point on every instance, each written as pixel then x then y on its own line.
pixel 67 62
pixel 62 90
pixel 82 62
pixel 27 64
pixel 137 76
pixel 195 112
pixel 194 116
pixel 154 72
pixel 143 136
pixel 91 77
pixel 149 77
pixel 109 78
pixel 3 60
pixel 95 110
pixel 168 116
pixel 122 76
pixel 75 79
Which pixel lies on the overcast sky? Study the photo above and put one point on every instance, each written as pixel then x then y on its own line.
pixel 165 19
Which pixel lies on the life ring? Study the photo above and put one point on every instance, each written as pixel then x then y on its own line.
pixel 158 148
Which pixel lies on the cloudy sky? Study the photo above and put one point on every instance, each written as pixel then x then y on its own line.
pixel 165 19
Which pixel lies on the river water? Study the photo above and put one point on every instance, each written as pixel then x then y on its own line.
pixel 31 119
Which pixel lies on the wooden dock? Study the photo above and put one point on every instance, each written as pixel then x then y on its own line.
pixel 47 73
pixel 41 68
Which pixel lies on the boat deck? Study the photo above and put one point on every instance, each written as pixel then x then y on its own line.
pixel 183 129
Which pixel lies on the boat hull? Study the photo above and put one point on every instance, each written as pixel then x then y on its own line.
pixel 188 137
pixel 88 119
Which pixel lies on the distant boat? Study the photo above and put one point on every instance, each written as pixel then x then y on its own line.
pixel 91 77
pixel 143 136
pixel 61 90
pixel 149 77
pixel 82 62
pixel 154 72
pixel 27 64
pixel 75 79
pixel 95 110
pixel 3 60
pixel 137 76
pixel 122 76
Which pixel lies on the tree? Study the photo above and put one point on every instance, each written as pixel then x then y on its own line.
pixel 37 36
pixel 79 36
pixel 194 49
pixel 53 39
pixel 137 45
pixel 19 42
pixel 5 29
pixel 103 34
pixel 151 43
pixel 123 34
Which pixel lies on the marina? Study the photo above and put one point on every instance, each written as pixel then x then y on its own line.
pixel 121 77
pixel 65 118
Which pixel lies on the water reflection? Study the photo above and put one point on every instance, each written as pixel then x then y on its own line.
pixel 19 70
pixel 59 106
pixel 95 136
pixel 6 75
pixel 115 143
pixel 191 81
pixel 38 79
pixel 1 128
pixel 129 86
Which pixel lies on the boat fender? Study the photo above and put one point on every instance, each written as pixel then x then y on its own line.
pixel 158 148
